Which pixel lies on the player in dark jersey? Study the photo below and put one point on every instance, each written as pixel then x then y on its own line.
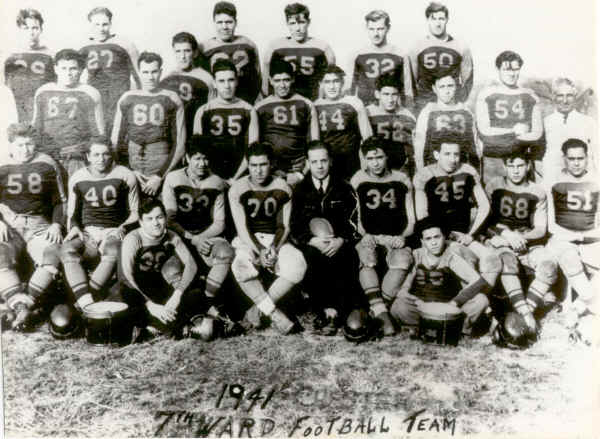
pixel 343 122
pixel 195 86
pixel 103 200
pixel 288 121
pixel 30 66
pixel 573 221
pixel 237 48
pixel 111 62
pixel 517 228
pixel 261 206
pixel 67 114
pixel 230 122
pixel 32 197
pixel 385 219
pixel 308 55
pixel 380 58
pixel 439 54
pixel 443 117
pixel 388 118
pixel 149 129
pixel 508 114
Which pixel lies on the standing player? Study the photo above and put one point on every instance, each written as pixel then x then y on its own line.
pixel 237 48
pixel 439 54
pixel 32 197
pixel 102 201
pixel 195 86
pixel 386 217
pixel 507 114
pixel 445 117
pixel 343 122
pixel 309 56
pixel 111 62
pixel 31 65
pixel 261 207
pixel 288 121
pixel 149 128
pixel 230 122
pixel 67 114
pixel 396 124
pixel 377 59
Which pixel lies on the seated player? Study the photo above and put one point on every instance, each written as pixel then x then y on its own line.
pixel 231 123
pixel 329 249
pixel 507 114
pixel 261 207
pixel 103 200
pixel 237 48
pixel 32 197
pixel 573 222
pixel 518 225
pixel 288 121
pixel 385 219
pixel 195 86
pixel 445 116
pixel 389 119
pixel 439 274
pixel 67 114
pixel 149 129
pixel 194 198
pixel 380 58
pixel 309 56
pixel 156 271
pixel 343 122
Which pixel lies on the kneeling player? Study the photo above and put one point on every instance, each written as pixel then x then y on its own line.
pixel 518 225
pixel 261 208
pixel 102 202
pixel 386 217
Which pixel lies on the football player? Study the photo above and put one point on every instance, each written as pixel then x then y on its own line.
pixel 325 198
pixel 439 54
pixel 343 122
pixel 111 62
pixel 389 119
pixel 29 66
pixel 67 114
pixel 195 86
pixel 564 123
pixel 385 218
pixel 288 121
pixel 102 201
pixel 380 58
pixel 445 116
pixel 517 228
pixel 237 48
pixel 573 222
pixel 194 199
pixel 507 114
pixel 231 123
pixel 309 56
pixel 261 206
pixel 149 129
pixel 32 197
pixel 439 274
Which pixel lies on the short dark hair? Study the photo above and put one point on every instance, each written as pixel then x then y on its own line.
pixel 24 14
pixel 375 142
pixel 448 137
pixel 260 148
pixel 429 222
pixel 336 70
pixel 185 37
pixel 100 139
pixel 223 65
pixel 436 7
pixel 387 80
pixel 508 56
pixel 149 205
pixel 150 57
pixel 225 8
pixel 446 75
pixel 318 144
pixel 280 66
pixel 377 15
pixel 517 151
pixel 573 143
pixel 296 9
pixel 69 55
pixel 21 130
pixel 100 10
pixel 198 144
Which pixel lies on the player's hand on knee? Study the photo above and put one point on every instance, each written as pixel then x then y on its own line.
pixel 54 234
pixel 268 257
pixel 319 243
pixel 204 245
pixel 461 238
pixel 397 242
pixel 369 241
pixel 515 240
pixel 498 241
pixel 520 128
pixel 152 185
pixel 75 232
pixel 334 245
pixel 162 313
pixel 3 232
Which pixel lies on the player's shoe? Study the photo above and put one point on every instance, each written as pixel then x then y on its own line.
pixel 386 324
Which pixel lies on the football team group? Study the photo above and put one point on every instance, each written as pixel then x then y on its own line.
pixel 230 194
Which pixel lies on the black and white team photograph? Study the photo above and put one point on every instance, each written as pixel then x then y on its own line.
pixel 297 219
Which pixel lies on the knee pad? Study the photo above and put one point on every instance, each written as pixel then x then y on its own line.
pixel 8 256
pixel 510 263
pixel 242 268
pixel 111 248
pixel 399 258
pixel 291 264
pixel 570 262
pixel 367 255
pixel 171 270
pixel 547 272
pixel 51 255
pixel 222 253
pixel 491 263
pixel 70 252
